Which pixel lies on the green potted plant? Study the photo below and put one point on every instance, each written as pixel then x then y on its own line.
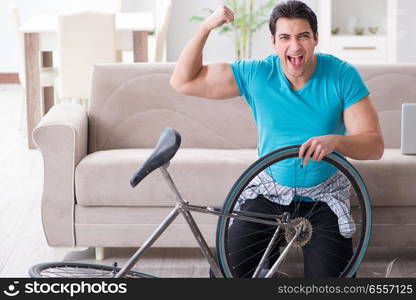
pixel 247 20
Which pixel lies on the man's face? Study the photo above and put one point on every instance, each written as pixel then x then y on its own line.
pixel 294 42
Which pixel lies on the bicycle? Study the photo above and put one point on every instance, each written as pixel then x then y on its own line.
pixel 290 232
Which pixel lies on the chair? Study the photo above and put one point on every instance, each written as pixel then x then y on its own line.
pixel 107 6
pixel 84 39
pixel 47 75
pixel 163 9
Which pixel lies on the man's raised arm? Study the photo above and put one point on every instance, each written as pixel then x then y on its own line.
pixel 191 77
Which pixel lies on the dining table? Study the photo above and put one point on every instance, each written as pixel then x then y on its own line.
pixel 40 33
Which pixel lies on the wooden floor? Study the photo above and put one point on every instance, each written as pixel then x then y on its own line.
pixel 22 243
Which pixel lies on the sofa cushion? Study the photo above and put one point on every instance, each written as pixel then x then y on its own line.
pixel 203 176
pixel 391 180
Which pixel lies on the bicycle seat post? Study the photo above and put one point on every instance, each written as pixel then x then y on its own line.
pixel 171 184
pixel 192 225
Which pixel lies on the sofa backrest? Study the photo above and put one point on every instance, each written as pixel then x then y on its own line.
pixel 390 85
pixel 130 104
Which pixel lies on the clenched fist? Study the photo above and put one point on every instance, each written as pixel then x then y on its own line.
pixel 219 17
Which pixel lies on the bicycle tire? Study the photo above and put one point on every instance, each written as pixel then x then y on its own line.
pixel 79 270
pixel 276 156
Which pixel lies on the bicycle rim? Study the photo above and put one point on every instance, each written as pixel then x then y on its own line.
pixel 79 270
pixel 293 262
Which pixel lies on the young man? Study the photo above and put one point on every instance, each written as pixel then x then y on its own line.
pixel 297 97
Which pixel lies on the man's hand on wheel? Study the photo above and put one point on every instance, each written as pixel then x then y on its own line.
pixel 317 147
pixel 219 17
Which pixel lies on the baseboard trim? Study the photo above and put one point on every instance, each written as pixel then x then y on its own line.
pixel 9 78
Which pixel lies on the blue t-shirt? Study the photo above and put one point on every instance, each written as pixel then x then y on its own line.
pixel 287 117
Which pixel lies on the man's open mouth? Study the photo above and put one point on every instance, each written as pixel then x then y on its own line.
pixel 295 60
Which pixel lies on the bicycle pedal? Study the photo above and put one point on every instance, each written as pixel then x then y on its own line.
pixel 114 271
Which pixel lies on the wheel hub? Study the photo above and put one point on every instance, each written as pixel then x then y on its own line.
pixel 305 234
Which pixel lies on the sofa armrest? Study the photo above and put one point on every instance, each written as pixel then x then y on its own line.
pixel 62 137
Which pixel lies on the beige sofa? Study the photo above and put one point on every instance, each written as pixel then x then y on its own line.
pixel 89 158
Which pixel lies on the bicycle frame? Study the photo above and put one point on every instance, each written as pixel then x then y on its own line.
pixel 182 207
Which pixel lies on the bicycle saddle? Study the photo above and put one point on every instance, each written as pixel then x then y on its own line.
pixel 168 145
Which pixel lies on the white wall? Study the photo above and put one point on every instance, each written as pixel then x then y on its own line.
pixel 9 54
pixel 406 31
pixel 342 11
pixel 8 61
pixel 218 48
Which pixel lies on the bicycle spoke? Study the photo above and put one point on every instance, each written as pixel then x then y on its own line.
pixel 254 244
pixel 76 272
pixel 339 208
pixel 79 270
pixel 267 252
pixel 283 254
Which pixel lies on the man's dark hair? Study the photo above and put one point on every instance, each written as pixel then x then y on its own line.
pixel 293 9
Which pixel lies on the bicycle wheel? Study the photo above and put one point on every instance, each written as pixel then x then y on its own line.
pixel 79 270
pixel 333 234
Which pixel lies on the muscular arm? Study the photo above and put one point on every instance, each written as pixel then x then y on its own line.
pixel 364 139
pixel 191 77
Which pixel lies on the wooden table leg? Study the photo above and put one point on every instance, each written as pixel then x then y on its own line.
pixel 47 59
pixel 140 52
pixel 48 92
pixel 33 92
pixel 48 98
